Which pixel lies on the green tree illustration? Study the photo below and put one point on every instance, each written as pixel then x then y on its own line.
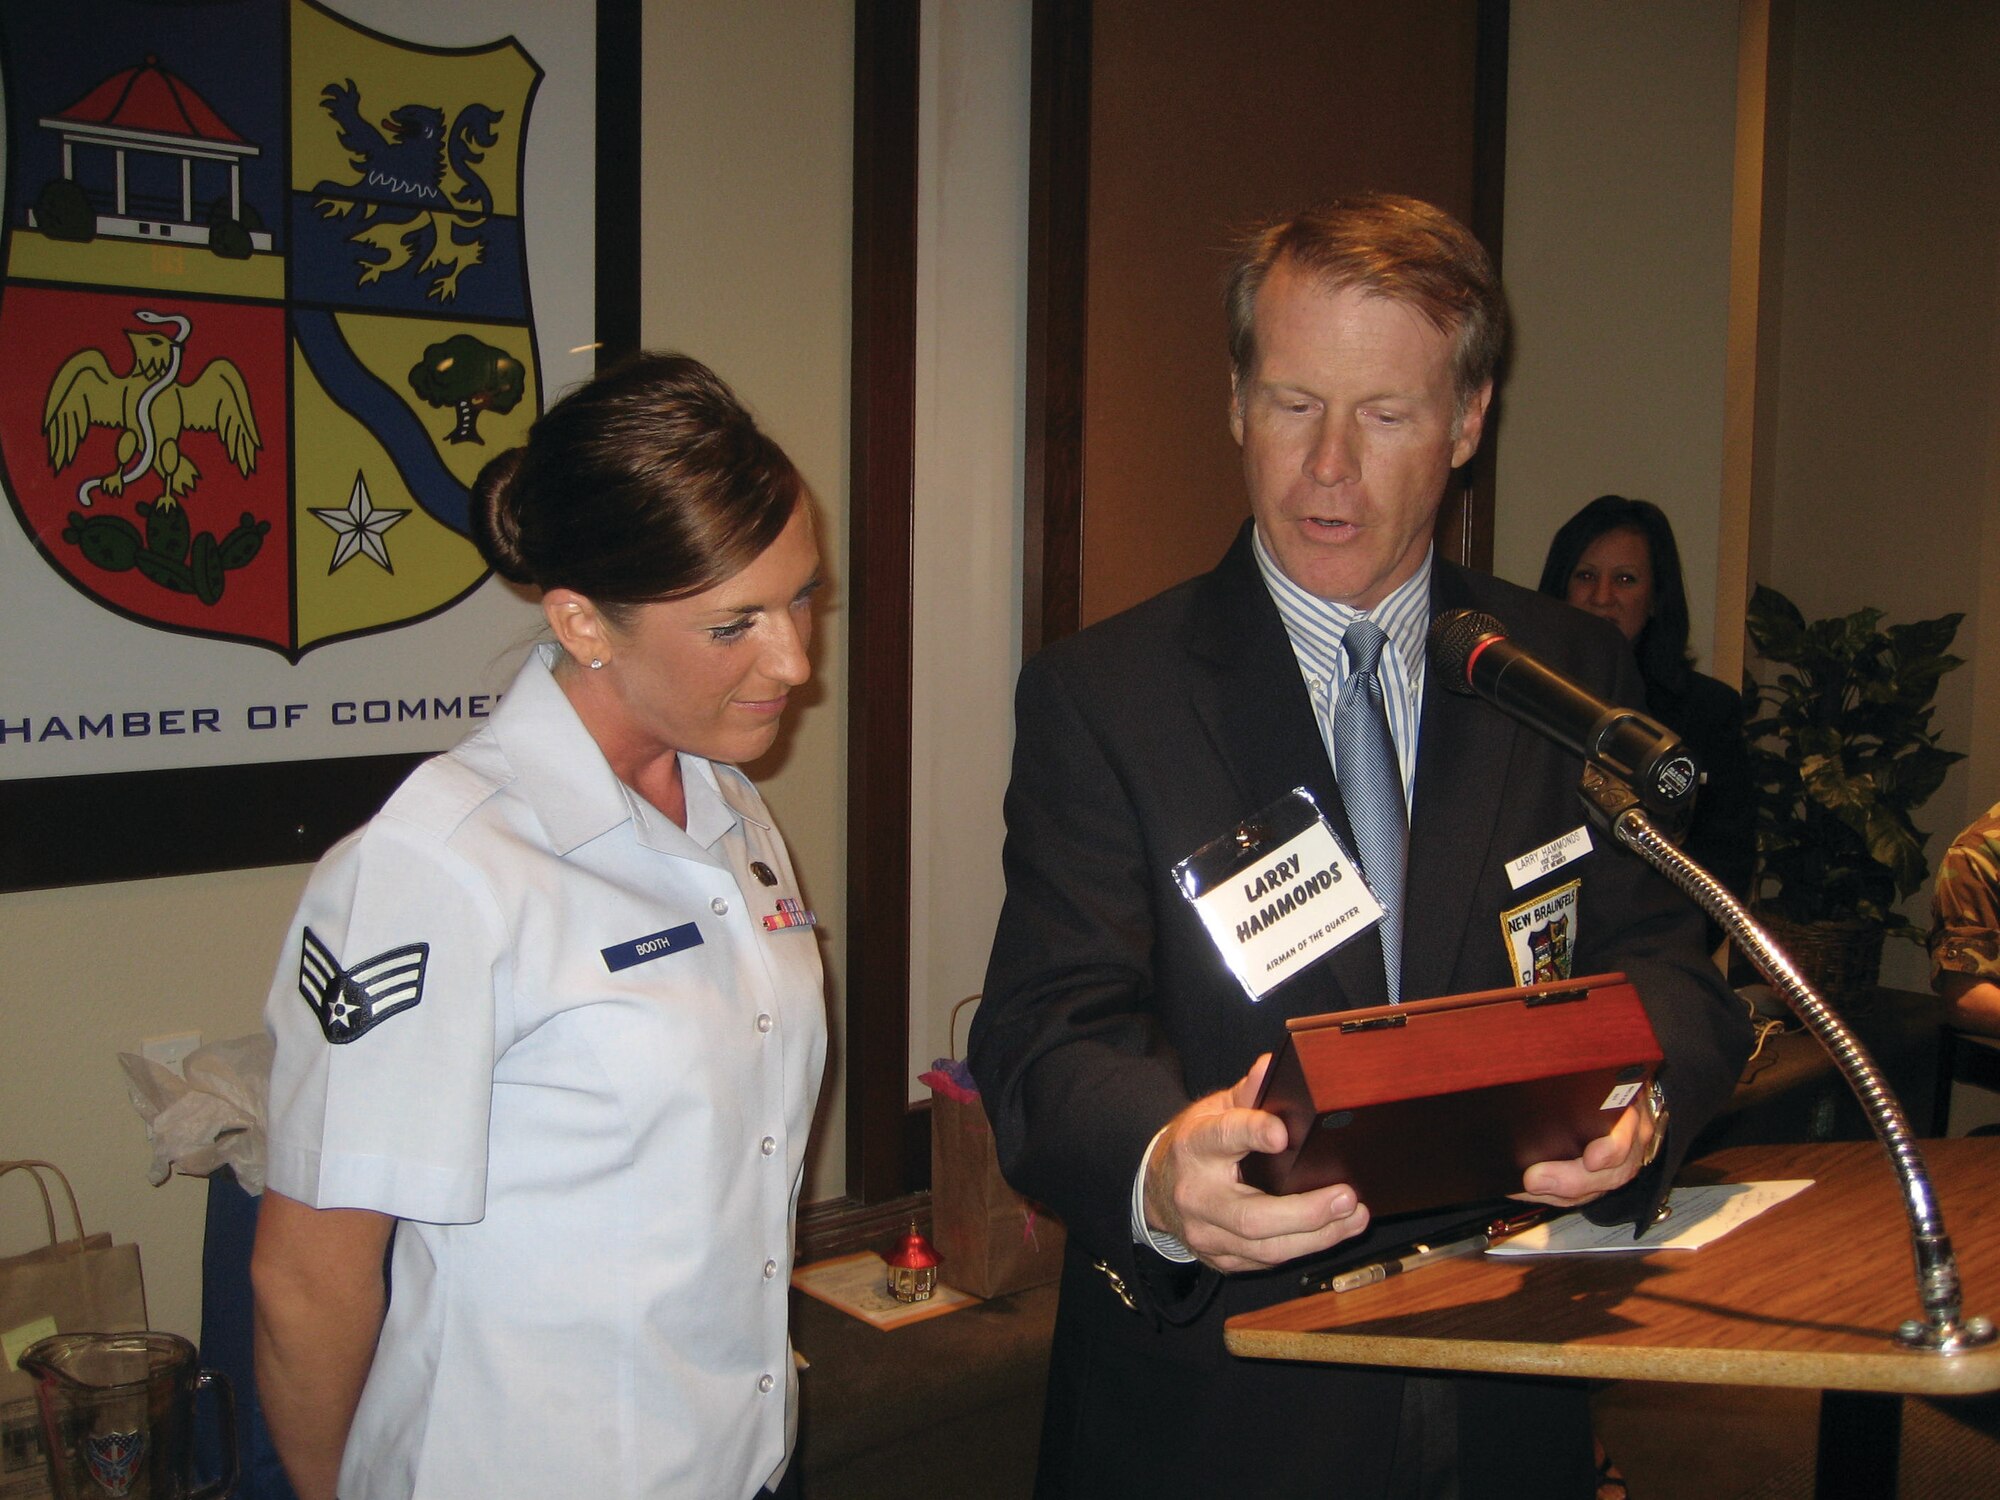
pixel 470 376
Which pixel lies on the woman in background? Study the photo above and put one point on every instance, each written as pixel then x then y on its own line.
pixel 1616 558
pixel 555 1017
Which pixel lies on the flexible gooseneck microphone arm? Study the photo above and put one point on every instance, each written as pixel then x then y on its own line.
pixel 1617 808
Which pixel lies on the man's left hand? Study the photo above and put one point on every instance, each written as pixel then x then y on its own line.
pixel 1607 1163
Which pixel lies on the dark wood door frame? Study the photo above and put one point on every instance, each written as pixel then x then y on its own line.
pixel 880 502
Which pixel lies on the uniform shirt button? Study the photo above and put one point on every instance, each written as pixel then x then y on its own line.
pixel 719 906
pixel 764 1023
pixel 770 1269
pixel 764 1384
pixel 767 1145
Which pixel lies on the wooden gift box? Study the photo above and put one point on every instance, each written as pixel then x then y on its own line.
pixel 1447 1101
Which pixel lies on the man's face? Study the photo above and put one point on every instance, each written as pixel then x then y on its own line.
pixel 1348 437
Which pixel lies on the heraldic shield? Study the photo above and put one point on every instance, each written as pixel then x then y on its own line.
pixel 265 307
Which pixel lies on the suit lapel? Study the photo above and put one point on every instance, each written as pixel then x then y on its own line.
pixel 1248 693
pixel 1459 806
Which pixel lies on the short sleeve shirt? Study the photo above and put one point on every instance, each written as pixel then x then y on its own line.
pixel 575 1049
pixel 1965 911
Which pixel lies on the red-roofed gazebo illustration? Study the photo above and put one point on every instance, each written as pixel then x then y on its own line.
pixel 149 111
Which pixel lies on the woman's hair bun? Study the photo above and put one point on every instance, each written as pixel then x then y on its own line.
pixel 496 516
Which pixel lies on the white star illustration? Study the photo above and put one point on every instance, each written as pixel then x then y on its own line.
pixel 359 527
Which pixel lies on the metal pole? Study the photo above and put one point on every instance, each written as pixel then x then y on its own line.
pixel 1943 1329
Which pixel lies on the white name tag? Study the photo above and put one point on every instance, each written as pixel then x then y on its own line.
pixel 1294 904
pixel 1550 857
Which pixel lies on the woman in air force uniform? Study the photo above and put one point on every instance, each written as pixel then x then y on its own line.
pixel 555 1015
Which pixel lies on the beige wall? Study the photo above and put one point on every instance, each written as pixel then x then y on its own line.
pixel 746 213
pixel 1887 471
pixel 1884 482
pixel 92 971
pixel 972 231
pixel 1620 129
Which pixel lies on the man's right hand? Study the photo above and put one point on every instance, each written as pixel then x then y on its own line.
pixel 1195 1193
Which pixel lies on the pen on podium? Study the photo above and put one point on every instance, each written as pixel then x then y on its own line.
pixel 1413 1259
pixel 1455 1242
pixel 1416 1257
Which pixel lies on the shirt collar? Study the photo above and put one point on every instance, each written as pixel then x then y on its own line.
pixel 566 779
pixel 1317 626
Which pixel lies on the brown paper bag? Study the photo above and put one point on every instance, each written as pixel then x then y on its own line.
pixel 80 1284
pixel 992 1241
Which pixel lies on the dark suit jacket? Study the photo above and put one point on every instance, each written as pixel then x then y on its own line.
pixel 1722 837
pixel 1108 1010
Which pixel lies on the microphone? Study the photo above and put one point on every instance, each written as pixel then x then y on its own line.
pixel 1471 653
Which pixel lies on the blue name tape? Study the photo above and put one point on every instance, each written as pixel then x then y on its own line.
pixel 652 946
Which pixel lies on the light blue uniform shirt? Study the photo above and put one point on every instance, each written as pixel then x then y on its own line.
pixel 592 1121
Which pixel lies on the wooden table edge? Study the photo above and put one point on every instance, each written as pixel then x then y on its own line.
pixel 1910 1372
pixel 1860 1180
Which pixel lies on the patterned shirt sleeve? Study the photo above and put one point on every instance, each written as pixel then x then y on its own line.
pixel 1965 911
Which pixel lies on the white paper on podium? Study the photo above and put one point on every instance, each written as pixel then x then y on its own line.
pixel 1701 1215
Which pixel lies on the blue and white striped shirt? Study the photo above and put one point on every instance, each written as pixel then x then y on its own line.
pixel 1317 627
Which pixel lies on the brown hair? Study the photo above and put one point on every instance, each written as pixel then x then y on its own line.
pixel 1388 246
pixel 650 481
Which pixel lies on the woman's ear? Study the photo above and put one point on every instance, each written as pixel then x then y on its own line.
pixel 578 627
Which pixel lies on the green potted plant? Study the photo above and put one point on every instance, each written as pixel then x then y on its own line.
pixel 1842 753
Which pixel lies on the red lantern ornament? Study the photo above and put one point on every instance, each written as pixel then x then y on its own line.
pixel 913 1268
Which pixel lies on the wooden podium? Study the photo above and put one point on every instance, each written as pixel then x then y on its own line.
pixel 1809 1294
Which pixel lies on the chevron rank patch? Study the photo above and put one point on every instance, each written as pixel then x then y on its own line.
pixel 352 1002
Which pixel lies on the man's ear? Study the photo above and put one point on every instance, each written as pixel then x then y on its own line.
pixel 1465 442
pixel 1235 409
pixel 578 627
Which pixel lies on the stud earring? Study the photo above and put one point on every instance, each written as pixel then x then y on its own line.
pixel 596 662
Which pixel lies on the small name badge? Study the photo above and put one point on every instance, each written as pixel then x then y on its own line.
pixel 1277 893
pixel 653 945
pixel 1550 858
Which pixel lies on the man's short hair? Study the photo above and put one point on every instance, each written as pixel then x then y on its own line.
pixel 1399 248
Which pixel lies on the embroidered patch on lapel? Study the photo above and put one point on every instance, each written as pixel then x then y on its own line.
pixel 353 1002
pixel 1541 935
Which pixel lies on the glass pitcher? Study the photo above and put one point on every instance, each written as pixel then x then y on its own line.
pixel 118 1415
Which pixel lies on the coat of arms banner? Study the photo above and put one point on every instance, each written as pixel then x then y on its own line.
pixel 277 278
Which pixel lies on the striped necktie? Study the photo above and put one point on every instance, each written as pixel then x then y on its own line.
pixel 1371 786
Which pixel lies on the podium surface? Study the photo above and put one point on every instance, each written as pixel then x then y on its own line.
pixel 1810 1293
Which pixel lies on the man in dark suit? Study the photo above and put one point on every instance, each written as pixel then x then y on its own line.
pixel 1119 1055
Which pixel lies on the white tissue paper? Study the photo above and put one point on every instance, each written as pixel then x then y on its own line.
pixel 212 1118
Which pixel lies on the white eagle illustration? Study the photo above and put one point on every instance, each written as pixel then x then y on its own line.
pixel 150 410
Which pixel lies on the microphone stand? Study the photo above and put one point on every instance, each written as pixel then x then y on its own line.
pixel 1943 1329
